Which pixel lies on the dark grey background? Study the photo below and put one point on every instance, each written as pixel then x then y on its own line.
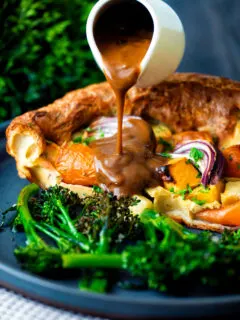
pixel 212 36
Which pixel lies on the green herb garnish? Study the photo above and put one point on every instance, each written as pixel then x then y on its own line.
pixel 101 133
pixel 196 154
pixel 86 141
pixel 204 189
pixel 182 192
pixel 166 155
pixel 97 189
pixel 199 202
pixel 78 139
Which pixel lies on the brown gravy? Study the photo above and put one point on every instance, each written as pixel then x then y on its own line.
pixel 125 163
pixel 137 167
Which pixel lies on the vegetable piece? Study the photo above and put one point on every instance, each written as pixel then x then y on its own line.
pixel 161 131
pixel 164 145
pixel 163 137
pixel 37 256
pixel 184 174
pixel 218 168
pixel 183 137
pixel 231 193
pixel 232 157
pixel 141 203
pixel 207 194
pixel 102 207
pixel 105 127
pixel 227 215
pixel 203 155
pixel 75 163
pixel 230 139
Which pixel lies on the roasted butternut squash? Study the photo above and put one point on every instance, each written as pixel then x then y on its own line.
pixel 210 194
pixel 184 174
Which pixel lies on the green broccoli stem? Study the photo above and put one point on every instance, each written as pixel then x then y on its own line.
pixel 30 224
pixel 25 215
pixel 57 235
pixel 96 284
pixel 86 260
pixel 70 224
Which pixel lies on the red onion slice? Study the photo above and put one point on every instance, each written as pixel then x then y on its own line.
pixel 107 126
pixel 210 166
pixel 218 168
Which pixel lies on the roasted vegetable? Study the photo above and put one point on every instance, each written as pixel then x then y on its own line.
pixel 232 157
pixel 207 159
pixel 231 193
pixel 184 174
pixel 207 194
pixel 75 163
pixel 103 207
pixel 228 215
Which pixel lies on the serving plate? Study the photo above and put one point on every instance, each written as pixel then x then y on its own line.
pixel 63 291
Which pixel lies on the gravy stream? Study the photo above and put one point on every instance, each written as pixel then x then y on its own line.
pixel 125 163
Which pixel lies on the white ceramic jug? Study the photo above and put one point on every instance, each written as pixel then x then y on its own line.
pixel 167 46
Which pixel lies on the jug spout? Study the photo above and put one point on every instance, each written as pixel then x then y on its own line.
pixel 167 44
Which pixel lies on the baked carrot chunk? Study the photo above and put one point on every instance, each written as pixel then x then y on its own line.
pixel 227 215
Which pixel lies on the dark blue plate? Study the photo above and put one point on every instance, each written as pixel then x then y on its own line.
pixel 64 291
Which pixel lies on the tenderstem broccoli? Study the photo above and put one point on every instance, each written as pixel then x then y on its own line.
pixel 168 252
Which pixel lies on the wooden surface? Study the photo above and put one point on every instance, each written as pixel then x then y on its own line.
pixel 212 36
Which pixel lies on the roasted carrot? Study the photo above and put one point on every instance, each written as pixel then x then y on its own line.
pixel 232 156
pixel 228 215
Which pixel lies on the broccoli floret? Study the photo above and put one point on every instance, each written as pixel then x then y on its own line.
pixel 38 256
pixel 39 259
pixel 104 206
pixel 44 206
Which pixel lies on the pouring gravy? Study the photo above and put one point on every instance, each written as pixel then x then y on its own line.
pixel 123 34
pixel 125 163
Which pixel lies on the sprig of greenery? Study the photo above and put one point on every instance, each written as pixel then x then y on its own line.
pixel 43 52
pixel 196 155
pixel 197 201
